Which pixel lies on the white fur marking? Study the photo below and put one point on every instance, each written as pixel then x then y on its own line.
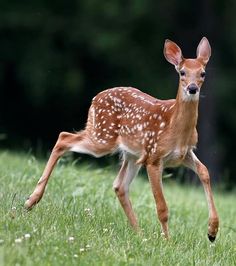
pixel 162 125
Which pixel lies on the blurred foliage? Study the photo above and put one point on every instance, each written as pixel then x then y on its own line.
pixel 56 55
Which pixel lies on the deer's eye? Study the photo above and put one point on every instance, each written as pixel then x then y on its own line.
pixel 203 74
pixel 182 73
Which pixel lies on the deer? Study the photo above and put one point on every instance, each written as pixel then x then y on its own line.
pixel 147 132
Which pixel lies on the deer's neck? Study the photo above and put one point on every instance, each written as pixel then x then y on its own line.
pixel 184 119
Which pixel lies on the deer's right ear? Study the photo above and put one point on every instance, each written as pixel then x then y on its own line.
pixel 172 53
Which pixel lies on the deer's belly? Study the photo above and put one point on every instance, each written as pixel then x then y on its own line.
pixel 129 146
pixel 129 149
pixel 176 157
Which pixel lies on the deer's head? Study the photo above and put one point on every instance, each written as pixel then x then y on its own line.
pixel 191 71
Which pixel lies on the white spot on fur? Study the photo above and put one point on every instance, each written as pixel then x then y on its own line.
pixel 162 125
pixel 140 127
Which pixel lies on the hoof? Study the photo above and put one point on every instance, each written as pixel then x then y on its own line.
pixel 28 205
pixel 211 238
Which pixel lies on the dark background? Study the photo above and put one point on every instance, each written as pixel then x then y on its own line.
pixel 55 56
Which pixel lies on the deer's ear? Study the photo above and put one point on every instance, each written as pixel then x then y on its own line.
pixel 172 53
pixel 204 50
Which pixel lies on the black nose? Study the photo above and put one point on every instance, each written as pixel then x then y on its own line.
pixel 192 88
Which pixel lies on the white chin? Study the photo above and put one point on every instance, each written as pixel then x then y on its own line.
pixel 190 97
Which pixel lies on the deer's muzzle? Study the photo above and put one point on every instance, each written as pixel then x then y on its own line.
pixel 192 88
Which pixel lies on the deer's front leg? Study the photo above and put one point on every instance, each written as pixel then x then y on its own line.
pixel 200 169
pixel 155 177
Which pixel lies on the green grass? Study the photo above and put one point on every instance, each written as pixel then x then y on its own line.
pixel 80 222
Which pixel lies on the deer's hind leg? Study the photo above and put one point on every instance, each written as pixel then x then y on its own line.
pixel 79 142
pixel 128 171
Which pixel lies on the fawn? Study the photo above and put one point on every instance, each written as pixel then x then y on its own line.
pixel 147 131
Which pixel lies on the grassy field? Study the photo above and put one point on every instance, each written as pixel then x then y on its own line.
pixel 80 222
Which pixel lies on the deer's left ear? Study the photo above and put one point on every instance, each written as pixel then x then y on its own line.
pixel 204 50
